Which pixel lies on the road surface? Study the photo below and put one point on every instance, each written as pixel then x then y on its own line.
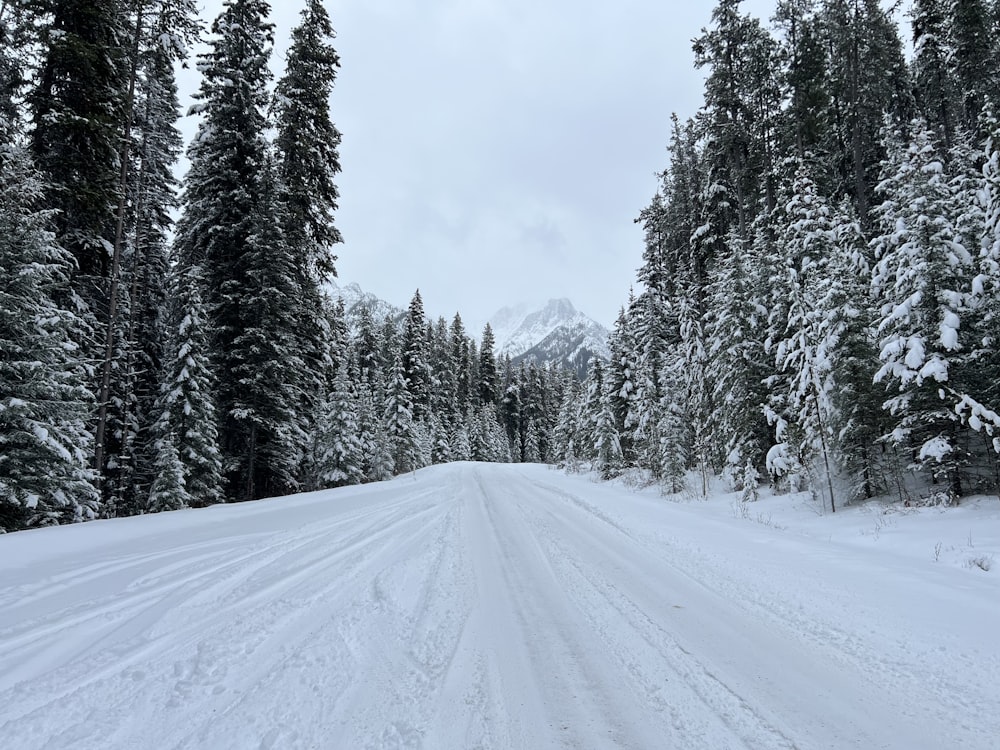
pixel 479 606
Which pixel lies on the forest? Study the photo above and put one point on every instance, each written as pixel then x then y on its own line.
pixel 817 305
pixel 819 302
pixel 152 364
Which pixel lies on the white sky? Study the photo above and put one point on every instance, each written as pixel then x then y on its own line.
pixel 497 151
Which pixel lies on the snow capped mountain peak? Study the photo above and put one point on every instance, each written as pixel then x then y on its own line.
pixel 556 332
pixel 355 298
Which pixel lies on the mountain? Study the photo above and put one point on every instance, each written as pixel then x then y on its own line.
pixel 556 333
pixel 355 299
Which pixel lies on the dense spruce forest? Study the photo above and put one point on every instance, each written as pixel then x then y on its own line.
pixel 820 289
pixel 150 364
pixel 818 304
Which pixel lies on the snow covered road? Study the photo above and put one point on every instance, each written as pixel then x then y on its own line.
pixel 485 606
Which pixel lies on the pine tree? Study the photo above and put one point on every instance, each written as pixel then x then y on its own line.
pixel 263 433
pixel 307 144
pixel 607 449
pixel 440 452
pixel 16 45
pixel 738 120
pixel 980 403
pixel 737 361
pixel 974 54
pixel 416 367
pixel 489 384
pixel 367 347
pixel 807 127
pixel 801 353
pixel 233 224
pixel 444 376
pixel 168 491
pixel 510 416
pixel 185 404
pixel 78 107
pixel 847 328
pixel 919 279
pixel 166 28
pixel 935 88
pixel 401 428
pixel 566 434
pixel 377 460
pixel 621 377
pixel 673 428
pixel 460 357
pixel 532 445
pixel 337 446
pixel 868 78
pixel 45 446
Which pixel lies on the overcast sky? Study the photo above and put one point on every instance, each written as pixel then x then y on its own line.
pixel 497 151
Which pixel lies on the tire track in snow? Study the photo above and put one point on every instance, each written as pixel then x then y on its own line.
pixel 534 647
pixel 186 647
pixel 824 683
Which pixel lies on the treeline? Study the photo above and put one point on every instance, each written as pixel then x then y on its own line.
pixel 411 393
pixel 819 289
pixel 149 365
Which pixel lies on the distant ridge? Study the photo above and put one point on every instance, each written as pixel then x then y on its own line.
pixel 355 299
pixel 556 333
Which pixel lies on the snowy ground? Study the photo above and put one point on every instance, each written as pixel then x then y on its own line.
pixel 484 606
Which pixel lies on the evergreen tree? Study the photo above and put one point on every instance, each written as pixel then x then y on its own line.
pixel 368 348
pixel 621 378
pixel 673 430
pixel 607 449
pixel 741 101
pixel 801 353
pixel 919 279
pixel 263 433
pixel 690 373
pixel 45 446
pixel 510 415
pixel 78 108
pixel 846 325
pixel 737 362
pixel 807 127
pixel 868 79
pixel 377 461
pixel 980 403
pixel 444 376
pixel 460 357
pixel 566 435
pixel 337 446
pixel 532 444
pixel 416 368
pixel 233 225
pixel 185 404
pixel 168 491
pixel 936 91
pixel 489 384
pixel 307 144
pixel 973 58
pixel 16 44
pixel 401 428
pixel 440 452
pixel 142 332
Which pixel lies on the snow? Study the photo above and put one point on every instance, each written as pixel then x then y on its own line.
pixel 950 324
pixel 489 606
pixel 937 448
pixel 517 329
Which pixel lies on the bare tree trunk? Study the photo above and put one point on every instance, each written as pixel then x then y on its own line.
pixel 109 342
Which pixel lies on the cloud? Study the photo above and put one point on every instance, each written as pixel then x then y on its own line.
pixel 495 151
